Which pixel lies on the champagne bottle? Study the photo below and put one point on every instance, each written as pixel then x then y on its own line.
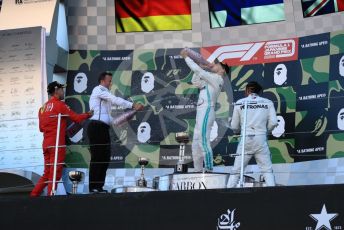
pixel 73 129
pixel 124 117
pixel 197 58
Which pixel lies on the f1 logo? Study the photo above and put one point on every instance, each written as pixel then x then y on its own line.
pixel 243 51
pixel 255 52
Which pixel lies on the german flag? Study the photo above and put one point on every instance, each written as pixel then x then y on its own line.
pixel 152 15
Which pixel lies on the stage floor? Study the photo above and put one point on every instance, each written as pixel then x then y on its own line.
pixel 290 207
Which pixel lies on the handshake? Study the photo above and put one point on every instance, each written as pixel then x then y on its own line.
pixel 90 113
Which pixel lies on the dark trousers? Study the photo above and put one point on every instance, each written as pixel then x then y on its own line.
pixel 99 138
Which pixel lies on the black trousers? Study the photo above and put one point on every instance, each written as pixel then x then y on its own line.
pixel 100 147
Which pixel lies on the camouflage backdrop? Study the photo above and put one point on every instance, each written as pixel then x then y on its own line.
pixel 308 94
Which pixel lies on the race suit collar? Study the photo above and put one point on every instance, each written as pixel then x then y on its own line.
pixel 53 98
pixel 253 95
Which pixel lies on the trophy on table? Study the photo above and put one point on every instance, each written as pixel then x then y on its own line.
pixel 182 138
pixel 142 181
pixel 141 184
pixel 75 177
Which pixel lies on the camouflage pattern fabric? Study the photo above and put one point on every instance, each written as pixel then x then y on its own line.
pixel 308 95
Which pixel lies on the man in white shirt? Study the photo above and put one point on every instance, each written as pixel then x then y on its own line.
pixel 100 102
pixel 210 84
pixel 261 119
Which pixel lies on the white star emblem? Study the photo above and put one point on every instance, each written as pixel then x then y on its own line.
pixel 323 218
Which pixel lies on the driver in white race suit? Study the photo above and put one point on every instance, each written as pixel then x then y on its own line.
pixel 210 84
pixel 261 119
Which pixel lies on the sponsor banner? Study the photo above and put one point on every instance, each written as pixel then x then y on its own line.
pixel 337 44
pixel 311 134
pixel 22 91
pixel 285 128
pixel 315 70
pixel 337 67
pixel 315 45
pixel 306 93
pixel 250 73
pixel 336 107
pixel 108 60
pixel 336 112
pixel 282 74
pixel 159 79
pixel 169 156
pixel 312 96
pixel 23 13
pixel 254 52
pixel 284 98
pixel 309 147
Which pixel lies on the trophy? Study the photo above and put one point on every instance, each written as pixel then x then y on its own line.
pixel 142 181
pixel 182 138
pixel 75 177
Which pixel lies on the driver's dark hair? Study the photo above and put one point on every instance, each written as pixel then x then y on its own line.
pixel 103 75
pixel 223 65
pixel 253 87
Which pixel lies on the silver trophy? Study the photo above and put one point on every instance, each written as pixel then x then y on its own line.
pixel 142 181
pixel 75 177
pixel 182 138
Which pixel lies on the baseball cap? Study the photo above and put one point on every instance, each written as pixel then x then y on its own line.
pixel 53 86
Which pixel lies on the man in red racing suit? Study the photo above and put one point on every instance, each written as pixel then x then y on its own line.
pixel 48 126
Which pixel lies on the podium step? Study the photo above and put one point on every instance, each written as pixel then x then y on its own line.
pixel 196 181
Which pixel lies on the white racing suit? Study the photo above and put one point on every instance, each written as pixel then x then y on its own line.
pixel 210 85
pixel 261 118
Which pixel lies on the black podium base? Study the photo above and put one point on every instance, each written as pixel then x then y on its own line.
pixel 298 207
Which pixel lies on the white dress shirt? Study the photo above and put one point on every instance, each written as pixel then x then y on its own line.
pixel 101 101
